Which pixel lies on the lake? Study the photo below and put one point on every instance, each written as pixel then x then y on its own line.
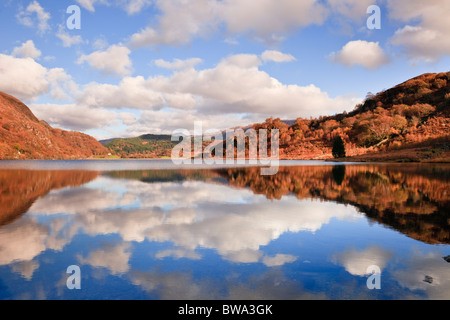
pixel 151 230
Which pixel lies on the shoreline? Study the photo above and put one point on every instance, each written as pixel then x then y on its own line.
pixel 351 159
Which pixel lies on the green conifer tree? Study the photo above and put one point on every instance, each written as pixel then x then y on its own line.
pixel 338 148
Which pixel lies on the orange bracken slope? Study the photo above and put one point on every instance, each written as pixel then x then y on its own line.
pixel 409 122
pixel 23 136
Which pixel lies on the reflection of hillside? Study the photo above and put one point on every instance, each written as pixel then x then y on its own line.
pixel 20 188
pixel 411 199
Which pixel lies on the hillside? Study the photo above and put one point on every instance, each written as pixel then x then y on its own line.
pixel 23 136
pixel 409 122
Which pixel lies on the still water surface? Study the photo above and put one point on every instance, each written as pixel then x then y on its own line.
pixel 149 230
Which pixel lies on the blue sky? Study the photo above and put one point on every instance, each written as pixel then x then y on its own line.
pixel 153 66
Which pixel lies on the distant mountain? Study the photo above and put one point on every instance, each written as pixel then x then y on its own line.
pixel 106 141
pixel 145 146
pixel 23 136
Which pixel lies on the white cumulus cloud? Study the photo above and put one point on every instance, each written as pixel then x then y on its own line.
pixel 351 9
pixel 134 6
pixel 26 17
pixel 428 38
pixel 67 39
pixel 89 4
pixel 181 21
pixel 276 56
pixel 236 85
pixel 23 78
pixel 129 6
pixel 270 20
pixel 178 64
pixel 74 117
pixel 27 50
pixel 114 60
pixel 178 23
pixel 367 54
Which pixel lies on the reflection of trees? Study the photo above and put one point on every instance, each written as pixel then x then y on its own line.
pixel 338 174
pixel 412 199
pixel 20 188
pixel 409 198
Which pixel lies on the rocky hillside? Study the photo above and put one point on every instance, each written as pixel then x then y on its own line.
pixel 23 136
pixel 409 122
